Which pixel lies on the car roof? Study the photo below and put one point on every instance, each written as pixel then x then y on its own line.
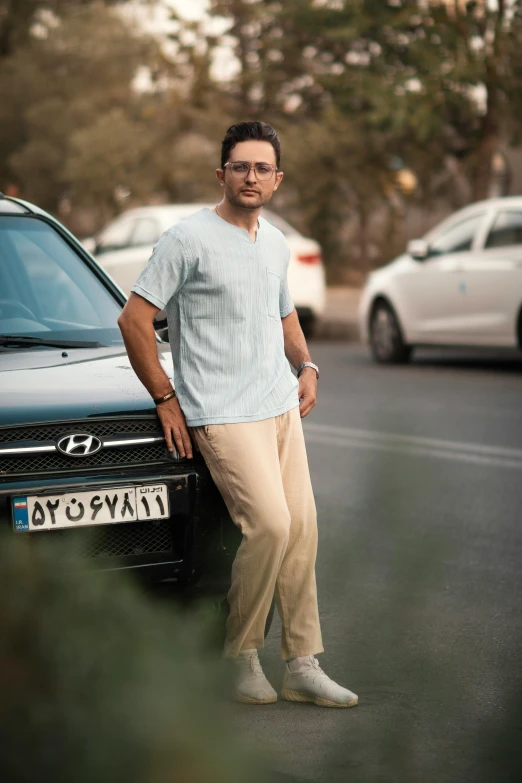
pixel 171 213
pixel 12 206
pixel 490 203
pixel 165 210
pixel 503 202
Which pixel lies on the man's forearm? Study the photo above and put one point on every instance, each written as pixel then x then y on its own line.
pixel 142 348
pixel 296 349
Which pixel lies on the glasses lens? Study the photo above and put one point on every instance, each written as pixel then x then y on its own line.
pixel 264 170
pixel 241 168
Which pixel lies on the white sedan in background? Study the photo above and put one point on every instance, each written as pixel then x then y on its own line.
pixel 461 285
pixel 125 245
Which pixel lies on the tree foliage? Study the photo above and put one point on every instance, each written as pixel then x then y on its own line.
pixel 18 16
pixel 359 89
pixel 428 85
pixel 74 127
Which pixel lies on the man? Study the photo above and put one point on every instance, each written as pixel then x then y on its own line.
pixel 221 274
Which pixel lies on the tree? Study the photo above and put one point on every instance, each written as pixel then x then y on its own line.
pixel 51 101
pixel 430 85
pixel 18 16
pixel 77 129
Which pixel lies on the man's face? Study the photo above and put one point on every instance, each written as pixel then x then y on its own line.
pixel 249 191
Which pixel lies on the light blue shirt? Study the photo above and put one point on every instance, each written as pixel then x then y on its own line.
pixel 225 296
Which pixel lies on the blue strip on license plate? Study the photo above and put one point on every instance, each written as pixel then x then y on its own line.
pixel 21 518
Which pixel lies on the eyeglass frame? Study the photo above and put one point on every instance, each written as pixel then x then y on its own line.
pixel 251 166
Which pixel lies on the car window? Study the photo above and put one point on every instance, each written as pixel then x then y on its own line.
pixel 115 236
pixel 146 232
pixel 458 238
pixel 506 230
pixel 50 288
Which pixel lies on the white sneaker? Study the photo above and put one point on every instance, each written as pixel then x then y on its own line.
pixel 309 683
pixel 252 687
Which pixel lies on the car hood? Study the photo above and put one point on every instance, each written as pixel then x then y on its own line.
pixel 402 262
pixel 42 385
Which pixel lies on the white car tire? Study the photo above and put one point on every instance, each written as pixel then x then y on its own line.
pixel 386 340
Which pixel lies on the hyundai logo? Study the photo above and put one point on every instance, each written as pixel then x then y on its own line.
pixel 81 445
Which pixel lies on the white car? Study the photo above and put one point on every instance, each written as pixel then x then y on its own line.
pixel 461 285
pixel 125 245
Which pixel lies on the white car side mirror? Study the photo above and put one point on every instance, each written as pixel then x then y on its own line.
pixel 418 249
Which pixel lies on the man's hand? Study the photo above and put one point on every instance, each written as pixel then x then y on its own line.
pixel 307 390
pixel 175 427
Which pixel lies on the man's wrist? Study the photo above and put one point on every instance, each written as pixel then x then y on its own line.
pixel 310 365
pixel 164 397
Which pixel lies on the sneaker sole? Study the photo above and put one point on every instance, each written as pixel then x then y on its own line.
pixel 288 695
pixel 240 697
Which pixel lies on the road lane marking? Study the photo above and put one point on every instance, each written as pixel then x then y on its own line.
pixel 409 444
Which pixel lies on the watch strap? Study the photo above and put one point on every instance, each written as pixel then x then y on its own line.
pixel 307 364
pixel 169 396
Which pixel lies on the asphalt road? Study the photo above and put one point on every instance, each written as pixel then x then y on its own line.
pixel 417 474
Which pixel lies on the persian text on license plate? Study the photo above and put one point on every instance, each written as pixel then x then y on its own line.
pixel 98 507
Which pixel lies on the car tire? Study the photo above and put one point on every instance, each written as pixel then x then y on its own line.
pixel 386 340
pixel 308 324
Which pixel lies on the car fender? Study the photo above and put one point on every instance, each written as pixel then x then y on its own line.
pixel 384 284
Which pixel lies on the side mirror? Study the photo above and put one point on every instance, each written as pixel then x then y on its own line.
pixel 418 249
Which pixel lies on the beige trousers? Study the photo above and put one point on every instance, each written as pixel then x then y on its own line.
pixel 261 470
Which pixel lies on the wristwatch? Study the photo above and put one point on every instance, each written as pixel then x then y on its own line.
pixel 308 364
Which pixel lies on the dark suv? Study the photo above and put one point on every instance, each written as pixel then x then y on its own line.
pixel 82 454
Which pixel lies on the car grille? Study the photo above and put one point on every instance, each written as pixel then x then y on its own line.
pixel 102 428
pixel 130 539
pixel 38 463
pixel 54 462
pixel 146 538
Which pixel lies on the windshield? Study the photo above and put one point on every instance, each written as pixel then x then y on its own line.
pixel 47 291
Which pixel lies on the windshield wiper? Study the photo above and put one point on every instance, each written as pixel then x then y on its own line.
pixel 13 339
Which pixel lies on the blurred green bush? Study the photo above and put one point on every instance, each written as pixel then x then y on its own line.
pixel 98 683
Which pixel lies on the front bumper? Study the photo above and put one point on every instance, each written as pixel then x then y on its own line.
pixel 192 541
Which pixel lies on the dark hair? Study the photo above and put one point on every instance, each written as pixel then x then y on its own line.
pixel 247 131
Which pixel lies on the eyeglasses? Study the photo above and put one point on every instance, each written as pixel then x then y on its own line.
pixel 240 169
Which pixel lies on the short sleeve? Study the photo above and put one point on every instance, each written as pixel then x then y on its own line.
pixel 286 303
pixel 165 272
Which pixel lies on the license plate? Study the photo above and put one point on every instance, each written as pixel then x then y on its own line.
pixel 99 507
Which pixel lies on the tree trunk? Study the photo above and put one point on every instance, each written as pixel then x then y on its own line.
pixel 14 27
pixel 490 136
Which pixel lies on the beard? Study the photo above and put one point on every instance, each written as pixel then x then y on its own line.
pixel 240 200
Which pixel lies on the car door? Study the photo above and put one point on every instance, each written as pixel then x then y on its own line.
pixel 125 263
pixel 431 293
pixel 493 280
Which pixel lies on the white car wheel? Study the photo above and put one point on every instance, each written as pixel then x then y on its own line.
pixel 387 344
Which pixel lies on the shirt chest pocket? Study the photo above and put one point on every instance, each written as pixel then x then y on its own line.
pixel 273 285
